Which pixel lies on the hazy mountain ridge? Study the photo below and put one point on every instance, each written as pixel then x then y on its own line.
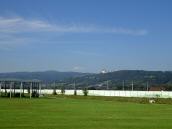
pixel 116 78
pixel 139 77
pixel 46 76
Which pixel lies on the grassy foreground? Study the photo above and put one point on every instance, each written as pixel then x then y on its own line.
pixel 74 113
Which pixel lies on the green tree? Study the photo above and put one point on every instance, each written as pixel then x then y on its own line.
pixel 85 91
pixel 62 90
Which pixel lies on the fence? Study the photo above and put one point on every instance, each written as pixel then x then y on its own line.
pixel 148 94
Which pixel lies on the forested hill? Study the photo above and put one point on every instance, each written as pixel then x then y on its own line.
pixel 115 79
pixel 139 77
pixel 46 76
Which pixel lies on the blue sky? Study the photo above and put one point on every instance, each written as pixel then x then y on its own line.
pixel 85 35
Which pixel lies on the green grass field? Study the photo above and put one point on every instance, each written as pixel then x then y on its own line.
pixel 73 113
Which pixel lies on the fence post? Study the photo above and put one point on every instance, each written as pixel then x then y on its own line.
pixel 39 88
pixel 10 89
pixel 0 88
pixel 21 85
pixel 30 90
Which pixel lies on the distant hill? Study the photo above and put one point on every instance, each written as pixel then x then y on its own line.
pixel 116 78
pixel 46 76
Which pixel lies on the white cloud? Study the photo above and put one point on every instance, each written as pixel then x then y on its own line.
pixel 15 30
pixel 77 68
pixel 129 31
pixel 19 24
pixel 14 25
pixel 86 53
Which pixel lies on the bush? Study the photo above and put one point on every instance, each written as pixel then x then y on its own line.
pixel 157 96
pixel 35 94
pixel 85 91
pixel 62 90
pixel 17 95
pixel 75 92
pixel 8 94
pixel 54 92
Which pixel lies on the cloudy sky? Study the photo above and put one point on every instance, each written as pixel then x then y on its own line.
pixel 85 35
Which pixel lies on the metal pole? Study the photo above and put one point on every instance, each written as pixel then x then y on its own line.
pixel 14 89
pixel 30 90
pixel 75 91
pixel 39 88
pixel 5 88
pixel 21 85
pixel 74 86
pixel 55 86
pixel 132 85
pixel 147 85
pixel 23 89
pixel 0 88
pixel 123 84
pixel 107 85
pixel 10 89
pixel 32 87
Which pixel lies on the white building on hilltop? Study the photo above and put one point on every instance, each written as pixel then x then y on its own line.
pixel 104 71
